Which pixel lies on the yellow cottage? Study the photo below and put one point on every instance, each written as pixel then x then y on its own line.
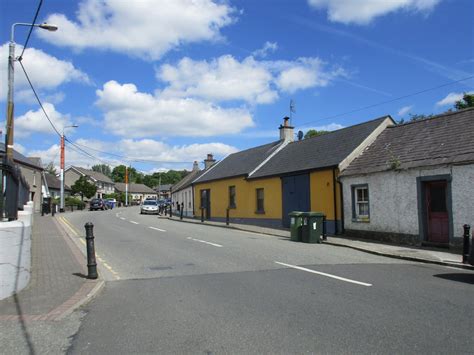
pixel 262 185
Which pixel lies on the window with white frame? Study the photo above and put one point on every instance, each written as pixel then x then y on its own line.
pixel 360 202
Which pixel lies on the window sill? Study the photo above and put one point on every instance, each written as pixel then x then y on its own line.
pixel 259 212
pixel 361 220
pixel 232 207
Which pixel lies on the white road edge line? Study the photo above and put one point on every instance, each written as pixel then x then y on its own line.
pixel 157 229
pixel 203 241
pixel 122 218
pixel 324 274
pixel 134 222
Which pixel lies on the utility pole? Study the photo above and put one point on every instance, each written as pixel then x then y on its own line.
pixel 126 187
pixel 8 156
pixel 61 169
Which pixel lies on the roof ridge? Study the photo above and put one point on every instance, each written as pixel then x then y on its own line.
pixel 433 117
pixel 352 126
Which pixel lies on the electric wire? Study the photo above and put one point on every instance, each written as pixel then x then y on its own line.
pixel 31 29
pixel 38 99
pixel 385 102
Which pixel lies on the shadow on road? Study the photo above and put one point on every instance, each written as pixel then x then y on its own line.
pixel 80 274
pixel 460 277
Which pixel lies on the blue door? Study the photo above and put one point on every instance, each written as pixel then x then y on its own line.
pixel 295 195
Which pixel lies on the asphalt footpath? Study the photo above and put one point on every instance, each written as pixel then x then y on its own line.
pixel 58 283
pixel 447 257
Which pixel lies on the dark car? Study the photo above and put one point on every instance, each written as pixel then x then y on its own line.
pixel 97 204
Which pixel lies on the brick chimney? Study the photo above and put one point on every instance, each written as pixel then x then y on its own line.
pixel 286 131
pixel 209 161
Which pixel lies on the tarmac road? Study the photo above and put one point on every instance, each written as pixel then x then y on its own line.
pixel 174 287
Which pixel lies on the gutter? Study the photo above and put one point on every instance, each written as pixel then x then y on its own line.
pixel 334 199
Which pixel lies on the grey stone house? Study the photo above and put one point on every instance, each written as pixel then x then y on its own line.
pixel 415 183
pixel 103 183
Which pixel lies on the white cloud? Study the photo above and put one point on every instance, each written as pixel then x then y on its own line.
pixel 404 110
pixel 362 12
pixel 150 149
pixel 45 72
pixel 451 98
pixel 221 79
pixel 36 121
pixel 131 113
pixel 146 28
pixel 305 73
pixel 164 155
pixel 267 48
pixel 252 81
pixel 20 148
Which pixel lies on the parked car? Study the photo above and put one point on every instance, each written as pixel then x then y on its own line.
pixel 111 202
pixel 149 207
pixel 97 204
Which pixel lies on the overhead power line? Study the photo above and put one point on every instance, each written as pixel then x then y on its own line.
pixel 31 29
pixel 385 102
pixel 38 99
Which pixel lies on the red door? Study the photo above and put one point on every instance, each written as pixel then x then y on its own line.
pixel 437 212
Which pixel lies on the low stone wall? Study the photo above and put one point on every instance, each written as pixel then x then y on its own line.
pixel 15 253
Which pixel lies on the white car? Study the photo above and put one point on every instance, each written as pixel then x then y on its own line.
pixel 149 207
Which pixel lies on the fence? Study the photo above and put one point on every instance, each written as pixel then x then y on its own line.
pixel 15 190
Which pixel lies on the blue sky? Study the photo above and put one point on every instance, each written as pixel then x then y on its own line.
pixel 159 84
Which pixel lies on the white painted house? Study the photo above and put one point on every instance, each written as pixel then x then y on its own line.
pixel 415 183
pixel 182 193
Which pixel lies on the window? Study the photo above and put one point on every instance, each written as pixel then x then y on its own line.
pixel 360 202
pixel 260 201
pixel 232 197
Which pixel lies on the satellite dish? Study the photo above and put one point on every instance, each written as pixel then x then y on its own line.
pixel 300 135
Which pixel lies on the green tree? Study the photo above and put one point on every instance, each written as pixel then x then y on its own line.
pixel 313 133
pixel 102 168
pixel 150 180
pixel 84 188
pixel 50 168
pixel 466 102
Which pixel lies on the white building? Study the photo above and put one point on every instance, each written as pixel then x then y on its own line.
pixel 415 183
pixel 182 193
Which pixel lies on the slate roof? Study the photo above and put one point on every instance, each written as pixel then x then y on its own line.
pixel 134 188
pixel 240 163
pixel 443 139
pixel 327 150
pixel 94 174
pixel 54 183
pixel 21 159
pixel 187 180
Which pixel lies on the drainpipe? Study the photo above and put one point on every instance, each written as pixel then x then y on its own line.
pixel 342 205
pixel 335 199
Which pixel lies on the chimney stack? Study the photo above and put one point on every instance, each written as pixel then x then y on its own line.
pixel 195 166
pixel 209 161
pixel 286 131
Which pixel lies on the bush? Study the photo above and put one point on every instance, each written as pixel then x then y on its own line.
pixel 73 201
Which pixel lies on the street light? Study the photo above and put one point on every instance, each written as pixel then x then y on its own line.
pixel 61 201
pixel 8 156
pixel 11 69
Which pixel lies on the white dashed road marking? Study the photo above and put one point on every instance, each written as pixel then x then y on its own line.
pixel 324 274
pixel 157 229
pixel 134 222
pixel 203 241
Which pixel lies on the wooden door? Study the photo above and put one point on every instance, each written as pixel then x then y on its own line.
pixel 437 212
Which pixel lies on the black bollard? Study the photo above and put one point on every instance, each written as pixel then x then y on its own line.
pixel 42 209
pixel 91 262
pixel 53 210
pixel 170 211
pixel 227 217
pixel 466 247
pixel 181 213
pixel 72 208
pixel 202 214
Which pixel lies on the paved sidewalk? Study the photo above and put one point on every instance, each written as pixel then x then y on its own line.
pixel 58 281
pixel 421 254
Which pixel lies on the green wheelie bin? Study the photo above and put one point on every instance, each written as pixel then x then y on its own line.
pixel 296 220
pixel 312 228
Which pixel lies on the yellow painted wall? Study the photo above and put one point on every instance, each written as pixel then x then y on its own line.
pixel 322 190
pixel 245 197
